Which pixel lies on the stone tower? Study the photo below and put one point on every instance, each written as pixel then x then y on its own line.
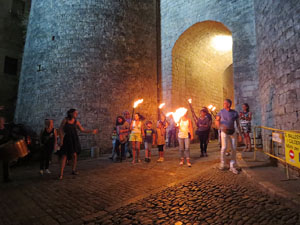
pixel 96 56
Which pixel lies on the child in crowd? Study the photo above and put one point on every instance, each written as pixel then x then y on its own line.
pixel 160 132
pixel 149 140
pixel 49 141
pixel 114 140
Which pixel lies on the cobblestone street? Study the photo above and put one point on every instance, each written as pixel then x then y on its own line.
pixel 154 193
pixel 214 198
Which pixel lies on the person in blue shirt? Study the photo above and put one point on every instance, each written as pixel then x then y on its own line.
pixel 225 121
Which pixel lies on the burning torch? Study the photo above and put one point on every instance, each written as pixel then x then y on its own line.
pixel 192 110
pixel 212 110
pixel 136 103
pixel 180 112
pixel 159 110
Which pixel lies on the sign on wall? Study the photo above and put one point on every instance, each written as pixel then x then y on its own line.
pixel 292 148
pixel 277 137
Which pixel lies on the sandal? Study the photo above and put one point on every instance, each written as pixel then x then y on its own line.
pixel 74 172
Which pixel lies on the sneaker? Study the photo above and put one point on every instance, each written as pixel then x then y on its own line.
pixel 162 159
pixel 159 160
pixel 146 159
pixel 201 155
pixel 222 167
pixel 189 164
pixel 227 154
pixel 42 172
pixel 181 163
pixel 205 154
pixel 48 171
pixel 234 170
pixel 149 159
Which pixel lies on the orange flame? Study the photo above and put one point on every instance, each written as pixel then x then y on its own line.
pixel 180 112
pixel 169 114
pixel 136 103
pixel 161 105
pixel 190 101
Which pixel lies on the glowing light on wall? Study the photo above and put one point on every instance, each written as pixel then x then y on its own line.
pixel 222 43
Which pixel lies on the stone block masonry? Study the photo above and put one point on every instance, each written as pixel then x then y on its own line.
pixel 238 16
pixel 96 56
pixel 277 28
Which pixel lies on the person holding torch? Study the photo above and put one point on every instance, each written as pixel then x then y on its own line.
pixel 137 131
pixel 185 128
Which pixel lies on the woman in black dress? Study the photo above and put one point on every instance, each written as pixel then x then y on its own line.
pixel 70 145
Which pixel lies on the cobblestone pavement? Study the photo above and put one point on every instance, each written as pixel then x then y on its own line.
pixel 215 197
pixel 112 193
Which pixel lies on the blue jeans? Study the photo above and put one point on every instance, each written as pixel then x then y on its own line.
pixel 225 138
pixel 128 149
pixel 184 147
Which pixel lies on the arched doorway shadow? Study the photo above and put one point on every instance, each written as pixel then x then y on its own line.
pixel 199 58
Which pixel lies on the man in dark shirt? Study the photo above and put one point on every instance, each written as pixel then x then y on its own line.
pixel 225 121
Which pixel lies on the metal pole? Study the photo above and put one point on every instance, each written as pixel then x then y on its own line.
pixel 287 171
pixel 254 140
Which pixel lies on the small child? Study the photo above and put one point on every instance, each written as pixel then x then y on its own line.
pixel 160 132
pixel 149 140
pixel 114 141
pixel 49 141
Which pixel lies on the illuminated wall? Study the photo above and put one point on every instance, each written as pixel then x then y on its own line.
pixel 198 63
pixel 181 16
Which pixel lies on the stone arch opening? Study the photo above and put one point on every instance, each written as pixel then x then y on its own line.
pixel 202 65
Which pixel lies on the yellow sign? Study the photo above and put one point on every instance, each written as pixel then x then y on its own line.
pixel 292 148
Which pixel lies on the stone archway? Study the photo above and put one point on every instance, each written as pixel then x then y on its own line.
pixel 200 58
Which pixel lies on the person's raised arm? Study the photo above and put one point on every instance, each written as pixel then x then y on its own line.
pixel 95 131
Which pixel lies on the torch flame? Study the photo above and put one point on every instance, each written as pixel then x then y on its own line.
pixel 214 108
pixel 190 101
pixel 210 106
pixel 169 114
pixel 180 112
pixel 161 105
pixel 136 103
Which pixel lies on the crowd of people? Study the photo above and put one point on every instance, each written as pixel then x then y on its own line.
pixel 129 133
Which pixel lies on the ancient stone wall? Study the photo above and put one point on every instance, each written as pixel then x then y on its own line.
pixel 96 56
pixel 228 84
pixel 238 16
pixel 197 67
pixel 278 53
